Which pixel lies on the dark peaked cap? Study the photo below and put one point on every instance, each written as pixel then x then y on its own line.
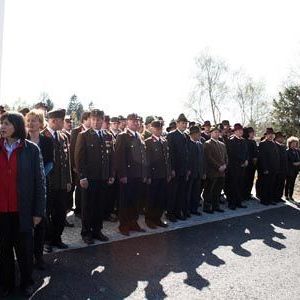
pixel 56 114
pixel 182 118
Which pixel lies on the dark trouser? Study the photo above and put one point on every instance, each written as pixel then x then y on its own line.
pixel 12 239
pixel 112 198
pixel 289 185
pixel 279 186
pixel 92 208
pixel 248 181
pixel 129 201
pixel 39 239
pixel 235 185
pixel 193 194
pixel 268 187
pixel 157 192
pixel 78 193
pixel 56 215
pixel 212 191
pixel 177 196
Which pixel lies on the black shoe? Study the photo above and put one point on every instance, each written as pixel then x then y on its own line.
pixel 219 210
pixel 48 248
pixel 281 201
pixel 137 228
pixel 188 215
pixel 196 213
pixel 88 240
pixel 68 224
pixel 171 218
pixel 232 207
pixel 264 203
pixel 40 264
pixel 208 211
pixel 101 237
pixel 273 203
pixel 60 245
pixel 161 224
pixel 241 206
pixel 151 225
pixel 111 219
pixel 179 217
pixel 124 231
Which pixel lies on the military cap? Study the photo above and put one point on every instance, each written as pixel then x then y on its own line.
pixel 133 116
pixel 194 129
pixel 250 129
pixel 121 118
pixel 237 126
pixel 269 131
pixel 40 105
pixel 24 111
pixel 157 124
pixel 56 114
pixel 182 118
pixel 225 122
pixel 97 113
pixel 141 119
pixel 206 123
pixel 106 119
pixel 191 124
pixel 115 120
pixel 149 120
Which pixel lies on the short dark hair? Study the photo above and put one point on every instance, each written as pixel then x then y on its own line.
pixel 85 115
pixel 17 120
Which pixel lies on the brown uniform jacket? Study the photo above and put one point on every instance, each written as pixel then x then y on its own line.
pixel 130 156
pixel 74 135
pixel 215 156
pixel 60 175
pixel 158 158
pixel 93 156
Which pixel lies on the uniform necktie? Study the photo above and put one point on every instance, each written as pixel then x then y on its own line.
pixel 55 136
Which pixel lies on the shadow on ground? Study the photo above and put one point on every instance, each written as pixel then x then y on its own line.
pixel 113 271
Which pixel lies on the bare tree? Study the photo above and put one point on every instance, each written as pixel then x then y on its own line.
pixel 251 98
pixel 211 87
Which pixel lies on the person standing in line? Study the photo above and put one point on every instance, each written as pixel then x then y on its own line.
pixel 216 160
pixel 22 201
pixel 159 174
pixel 293 166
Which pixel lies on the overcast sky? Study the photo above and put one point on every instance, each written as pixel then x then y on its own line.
pixel 135 55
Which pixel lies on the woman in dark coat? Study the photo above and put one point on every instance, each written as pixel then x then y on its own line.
pixel 22 201
pixel 293 166
pixel 34 123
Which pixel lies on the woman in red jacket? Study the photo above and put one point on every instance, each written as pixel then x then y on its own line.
pixel 22 201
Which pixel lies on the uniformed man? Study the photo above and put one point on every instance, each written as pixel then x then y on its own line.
pixel 197 168
pixel 114 127
pixel 93 159
pixel 159 174
pixel 59 180
pixel 147 131
pixel 178 145
pixel 131 167
pixel 283 168
pixel 268 167
pixel 85 125
pixel 206 130
pixel 216 161
pixel 122 124
pixel 237 162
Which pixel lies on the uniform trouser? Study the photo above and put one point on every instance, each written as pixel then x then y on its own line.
pixel 39 239
pixel 56 215
pixel 78 193
pixel 92 208
pixel 235 185
pixel 129 201
pixel 268 187
pixel 289 185
pixel 212 191
pixel 248 181
pixel 12 239
pixel 157 192
pixel 279 186
pixel 176 196
pixel 112 198
pixel 193 194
